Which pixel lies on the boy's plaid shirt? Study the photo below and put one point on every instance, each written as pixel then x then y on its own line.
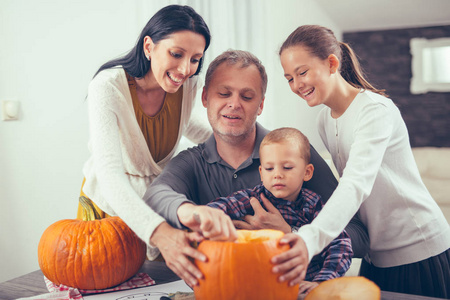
pixel 332 262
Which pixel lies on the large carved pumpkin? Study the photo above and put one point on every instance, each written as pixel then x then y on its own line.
pixel 90 254
pixel 242 269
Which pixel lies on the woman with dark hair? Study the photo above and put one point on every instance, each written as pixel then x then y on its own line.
pixel 139 107
pixel 368 140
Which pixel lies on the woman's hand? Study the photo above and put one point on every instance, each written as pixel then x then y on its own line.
pixel 175 247
pixel 212 223
pixel 262 219
pixel 293 263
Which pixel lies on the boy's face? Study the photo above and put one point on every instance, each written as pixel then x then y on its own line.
pixel 283 170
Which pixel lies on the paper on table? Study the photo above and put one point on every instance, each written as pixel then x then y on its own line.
pixel 153 292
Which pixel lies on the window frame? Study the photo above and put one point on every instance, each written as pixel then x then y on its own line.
pixel 418 84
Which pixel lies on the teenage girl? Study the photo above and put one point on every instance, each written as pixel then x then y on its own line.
pixel 368 140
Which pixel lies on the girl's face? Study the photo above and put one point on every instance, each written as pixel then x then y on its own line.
pixel 308 75
pixel 174 59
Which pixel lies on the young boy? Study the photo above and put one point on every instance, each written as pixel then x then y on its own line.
pixel 284 156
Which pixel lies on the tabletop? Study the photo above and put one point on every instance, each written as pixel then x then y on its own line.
pixel 32 284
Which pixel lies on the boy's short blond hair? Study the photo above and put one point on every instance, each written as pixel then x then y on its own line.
pixel 291 135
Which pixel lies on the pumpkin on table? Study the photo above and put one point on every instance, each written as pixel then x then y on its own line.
pixel 348 288
pixel 90 254
pixel 242 269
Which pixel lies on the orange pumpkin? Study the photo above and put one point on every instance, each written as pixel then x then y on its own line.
pixel 348 288
pixel 242 269
pixel 90 254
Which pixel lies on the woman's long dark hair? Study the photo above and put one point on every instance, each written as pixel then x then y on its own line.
pixel 168 20
pixel 321 42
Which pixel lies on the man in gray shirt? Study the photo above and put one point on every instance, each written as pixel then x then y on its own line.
pixel 228 161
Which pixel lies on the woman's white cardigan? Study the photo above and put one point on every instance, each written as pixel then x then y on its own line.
pixel 121 167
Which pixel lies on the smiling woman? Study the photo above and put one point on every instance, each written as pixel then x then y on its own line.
pixel 174 59
pixel 172 64
pixel 139 107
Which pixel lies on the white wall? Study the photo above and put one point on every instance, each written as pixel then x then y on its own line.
pixel 49 51
pixel 282 107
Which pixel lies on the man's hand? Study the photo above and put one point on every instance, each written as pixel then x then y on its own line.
pixel 262 219
pixel 176 249
pixel 212 223
pixel 293 263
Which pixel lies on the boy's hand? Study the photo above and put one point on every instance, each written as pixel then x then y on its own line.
pixel 293 263
pixel 262 219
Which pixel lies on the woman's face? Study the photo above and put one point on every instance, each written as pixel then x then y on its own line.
pixel 174 59
pixel 308 75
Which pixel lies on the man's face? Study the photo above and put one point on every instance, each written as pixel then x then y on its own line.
pixel 233 100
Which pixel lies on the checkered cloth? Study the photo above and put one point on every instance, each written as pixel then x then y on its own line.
pixel 69 293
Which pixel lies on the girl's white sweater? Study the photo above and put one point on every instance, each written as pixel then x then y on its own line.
pixel 370 147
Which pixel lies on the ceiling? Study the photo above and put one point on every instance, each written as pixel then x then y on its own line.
pixel 369 15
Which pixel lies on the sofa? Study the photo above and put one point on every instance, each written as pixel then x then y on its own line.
pixel 434 167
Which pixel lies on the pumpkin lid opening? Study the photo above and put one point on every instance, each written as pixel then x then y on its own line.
pixel 258 236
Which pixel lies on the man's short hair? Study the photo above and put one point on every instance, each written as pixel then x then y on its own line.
pixel 233 57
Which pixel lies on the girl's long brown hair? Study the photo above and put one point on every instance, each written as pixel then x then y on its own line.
pixel 321 42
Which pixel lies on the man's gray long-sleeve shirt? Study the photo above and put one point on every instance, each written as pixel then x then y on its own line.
pixel 199 175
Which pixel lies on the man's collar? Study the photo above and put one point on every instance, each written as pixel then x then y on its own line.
pixel 212 156
pixel 210 151
pixel 261 132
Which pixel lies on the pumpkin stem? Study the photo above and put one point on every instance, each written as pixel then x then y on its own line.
pixel 90 213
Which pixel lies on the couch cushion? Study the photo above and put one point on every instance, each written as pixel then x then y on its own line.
pixel 433 162
pixel 434 168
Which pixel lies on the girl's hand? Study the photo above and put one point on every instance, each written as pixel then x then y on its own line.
pixel 307 286
pixel 175 247
pixel 212 223
pixel 293 263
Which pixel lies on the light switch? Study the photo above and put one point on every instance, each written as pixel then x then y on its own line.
pixel 10 110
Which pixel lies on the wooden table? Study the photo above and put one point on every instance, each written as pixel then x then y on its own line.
pixel 32 284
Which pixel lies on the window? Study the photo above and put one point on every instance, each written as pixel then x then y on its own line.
pixel 430 65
